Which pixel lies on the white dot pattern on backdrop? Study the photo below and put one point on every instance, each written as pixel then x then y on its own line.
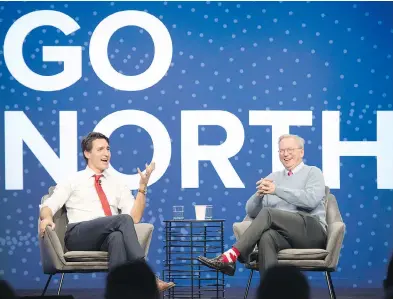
pixel 226 56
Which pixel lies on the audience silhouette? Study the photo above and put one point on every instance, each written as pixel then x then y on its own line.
pixel 283 282
pixel 134 280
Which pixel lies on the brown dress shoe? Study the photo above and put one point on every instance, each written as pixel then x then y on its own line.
pixel 164 286
pixel 217 263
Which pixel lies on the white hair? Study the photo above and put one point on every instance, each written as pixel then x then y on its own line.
pixel 298 139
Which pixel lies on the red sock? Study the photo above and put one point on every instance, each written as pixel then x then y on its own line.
pixel 231 255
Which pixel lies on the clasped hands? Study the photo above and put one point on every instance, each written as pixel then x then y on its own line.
pixel 265 186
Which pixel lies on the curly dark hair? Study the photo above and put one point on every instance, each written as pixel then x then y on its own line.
pixel 133 280
pixel 87 142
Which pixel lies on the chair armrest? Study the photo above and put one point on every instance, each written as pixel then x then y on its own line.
pixel 240 227
pixel 144 231
pixel 334 243
pixel 52 254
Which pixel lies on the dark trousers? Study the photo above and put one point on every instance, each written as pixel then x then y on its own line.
pixel 273 230
pixel 115 234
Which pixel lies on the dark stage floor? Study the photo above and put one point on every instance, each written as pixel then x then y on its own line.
pixel 231 293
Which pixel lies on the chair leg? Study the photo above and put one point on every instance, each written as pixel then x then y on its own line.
pixel 248 284
pixel 46 285
pixel 61 284
pixel 330 285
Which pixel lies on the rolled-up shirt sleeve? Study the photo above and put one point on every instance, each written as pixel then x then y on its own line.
pixel 126 200
pixel 61 194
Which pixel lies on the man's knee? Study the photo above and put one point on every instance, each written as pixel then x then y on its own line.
pixel 125 218
pixel 273 213
pixel 265 212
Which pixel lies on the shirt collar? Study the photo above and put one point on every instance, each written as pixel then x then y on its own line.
pixel 296 169
pixel 89 172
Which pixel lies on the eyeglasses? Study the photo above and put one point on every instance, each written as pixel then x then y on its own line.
pixel 288 150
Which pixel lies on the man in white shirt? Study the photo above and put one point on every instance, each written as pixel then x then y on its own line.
pixel 93 198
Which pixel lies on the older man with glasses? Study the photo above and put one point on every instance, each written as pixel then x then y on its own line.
pixel 287 211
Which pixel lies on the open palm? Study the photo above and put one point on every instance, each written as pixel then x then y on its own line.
pixel 144 180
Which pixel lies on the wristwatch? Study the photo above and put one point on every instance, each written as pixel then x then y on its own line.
pixel 143 191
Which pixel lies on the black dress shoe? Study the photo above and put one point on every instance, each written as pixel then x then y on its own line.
pixel 218 264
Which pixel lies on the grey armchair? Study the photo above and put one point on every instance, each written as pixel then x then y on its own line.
pixel 324 260
pixel 55 257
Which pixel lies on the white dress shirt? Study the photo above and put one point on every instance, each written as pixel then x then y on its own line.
pixel 81 200
pixel 296 169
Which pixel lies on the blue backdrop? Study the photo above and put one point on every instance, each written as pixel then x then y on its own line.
pixel 226 56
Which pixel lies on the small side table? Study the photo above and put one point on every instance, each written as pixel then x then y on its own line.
pixel 185 240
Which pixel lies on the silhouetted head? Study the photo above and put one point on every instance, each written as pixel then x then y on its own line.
pixel 131 281
pixel 388 282
pixel 6 291
pixel 283 282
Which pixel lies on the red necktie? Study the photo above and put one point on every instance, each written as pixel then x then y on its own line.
pixel 102 196
pixel 290 173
